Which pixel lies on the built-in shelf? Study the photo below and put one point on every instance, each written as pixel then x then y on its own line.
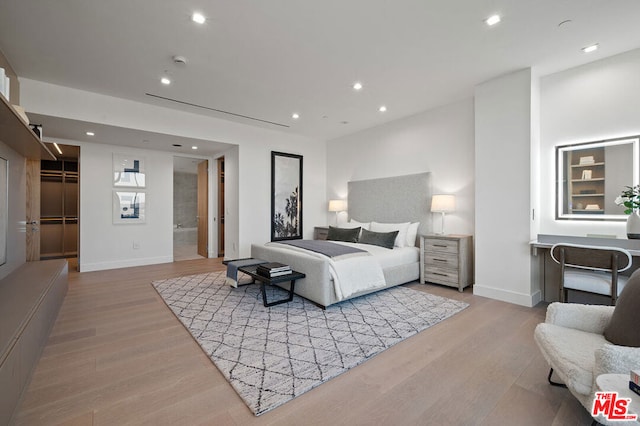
pixel 16 134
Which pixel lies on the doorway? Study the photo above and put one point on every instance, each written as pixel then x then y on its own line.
pixel 54 224
pixel 190 208
pixel 221 207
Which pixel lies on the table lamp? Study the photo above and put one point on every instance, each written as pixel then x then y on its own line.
pixel 337 206
pixel 443 203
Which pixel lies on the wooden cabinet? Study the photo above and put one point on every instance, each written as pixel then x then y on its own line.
pixel 447 260
pixel 320 232
pixel 587 181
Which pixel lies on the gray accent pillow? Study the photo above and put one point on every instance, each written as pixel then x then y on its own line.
pixel 623 329
pixel 382 239
pixel 350 235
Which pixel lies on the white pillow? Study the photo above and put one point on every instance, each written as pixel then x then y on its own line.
pixel 355 224
pixel 402 228
pixel 412 234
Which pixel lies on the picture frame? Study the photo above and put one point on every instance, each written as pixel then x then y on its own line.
pixel 286 196
pixel 129 171
pixel 129 206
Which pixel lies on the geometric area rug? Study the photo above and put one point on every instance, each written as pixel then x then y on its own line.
pixel 272 355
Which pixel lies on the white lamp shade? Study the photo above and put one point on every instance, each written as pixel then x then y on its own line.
pixel 443 203
pixel 337 205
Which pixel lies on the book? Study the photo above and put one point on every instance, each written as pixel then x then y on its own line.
pixel 274 267
pixel 272 271
pixel 273 274
pixel 587 160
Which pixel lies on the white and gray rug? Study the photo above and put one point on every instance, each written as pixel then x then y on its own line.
pixel 271 355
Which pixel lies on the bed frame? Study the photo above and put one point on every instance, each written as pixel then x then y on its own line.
pixel 405 199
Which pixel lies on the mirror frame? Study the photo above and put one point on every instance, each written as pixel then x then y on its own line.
pixel 634 141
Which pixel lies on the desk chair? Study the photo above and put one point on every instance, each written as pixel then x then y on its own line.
pixel 591 269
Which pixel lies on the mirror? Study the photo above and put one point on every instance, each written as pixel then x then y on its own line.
pixel 591 175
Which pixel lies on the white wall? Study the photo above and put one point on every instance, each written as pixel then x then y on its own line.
pixel 505 117
pixel 591 102
pixel 17 212
pixel 252 162
pixel 105 245
pixel 439 141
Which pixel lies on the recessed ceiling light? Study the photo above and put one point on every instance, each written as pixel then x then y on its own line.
pixel 165 80
pixel 194 147
pixel 198 18
pixel 492 20
pixel 295 115
pixel 57 148
pixel 590 49
pixel 90 134
pixel 382 108
pixel 357 86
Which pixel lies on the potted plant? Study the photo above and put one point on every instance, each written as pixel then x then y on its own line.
pixel 630 199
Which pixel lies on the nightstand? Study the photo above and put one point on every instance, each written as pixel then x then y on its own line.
pixel 320 232
pixel 447 260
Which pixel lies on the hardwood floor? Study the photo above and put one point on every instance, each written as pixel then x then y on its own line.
pixel 117 355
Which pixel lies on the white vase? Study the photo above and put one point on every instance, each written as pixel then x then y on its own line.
pixel 633 225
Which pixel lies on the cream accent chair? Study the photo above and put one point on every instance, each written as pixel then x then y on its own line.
pixel 591 269
pixel 571 340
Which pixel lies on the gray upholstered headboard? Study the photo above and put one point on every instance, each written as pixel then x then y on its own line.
pixel 392 200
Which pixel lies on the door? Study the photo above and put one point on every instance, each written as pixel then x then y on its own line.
pixel 33 210
pixel 221 207
pixel 203 210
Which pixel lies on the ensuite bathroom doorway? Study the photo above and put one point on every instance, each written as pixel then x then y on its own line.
pixel 190 212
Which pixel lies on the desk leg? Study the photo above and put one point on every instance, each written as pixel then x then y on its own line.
pixel 277 302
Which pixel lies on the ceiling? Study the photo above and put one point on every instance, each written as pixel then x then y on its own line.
pixel 257 62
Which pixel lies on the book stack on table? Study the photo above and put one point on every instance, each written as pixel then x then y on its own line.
pixel 273 269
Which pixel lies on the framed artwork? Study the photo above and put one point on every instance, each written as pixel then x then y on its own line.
pixel 128 171
pixel 4 208
pixel 128 206
pixel 286 196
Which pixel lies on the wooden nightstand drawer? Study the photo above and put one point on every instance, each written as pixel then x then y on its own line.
pixel 441 261
pixel 440 246
pixel 442 276
pixel 320 232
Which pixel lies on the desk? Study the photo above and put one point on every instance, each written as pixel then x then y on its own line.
pixel 549 270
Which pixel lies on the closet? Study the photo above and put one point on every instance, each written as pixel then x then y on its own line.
pixel 59 206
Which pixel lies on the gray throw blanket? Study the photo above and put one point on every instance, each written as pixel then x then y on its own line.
pixel 326 248
pixel 232 269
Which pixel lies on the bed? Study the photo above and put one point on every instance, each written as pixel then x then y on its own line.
pixel 404 199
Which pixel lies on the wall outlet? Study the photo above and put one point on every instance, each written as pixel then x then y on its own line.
pixel 136 245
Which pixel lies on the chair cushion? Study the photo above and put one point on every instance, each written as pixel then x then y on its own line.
pixel 623 328
pixel 592 281
pixel 571 353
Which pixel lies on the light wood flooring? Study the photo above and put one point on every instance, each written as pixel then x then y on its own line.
pixel 117 356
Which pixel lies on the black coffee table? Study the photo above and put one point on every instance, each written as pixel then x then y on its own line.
pixel 292 277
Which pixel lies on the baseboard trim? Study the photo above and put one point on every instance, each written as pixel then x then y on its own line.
pixel 115 264
pixel 521 299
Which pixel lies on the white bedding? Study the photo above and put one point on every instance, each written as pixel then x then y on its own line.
pixel 352 274
pixel 389 258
